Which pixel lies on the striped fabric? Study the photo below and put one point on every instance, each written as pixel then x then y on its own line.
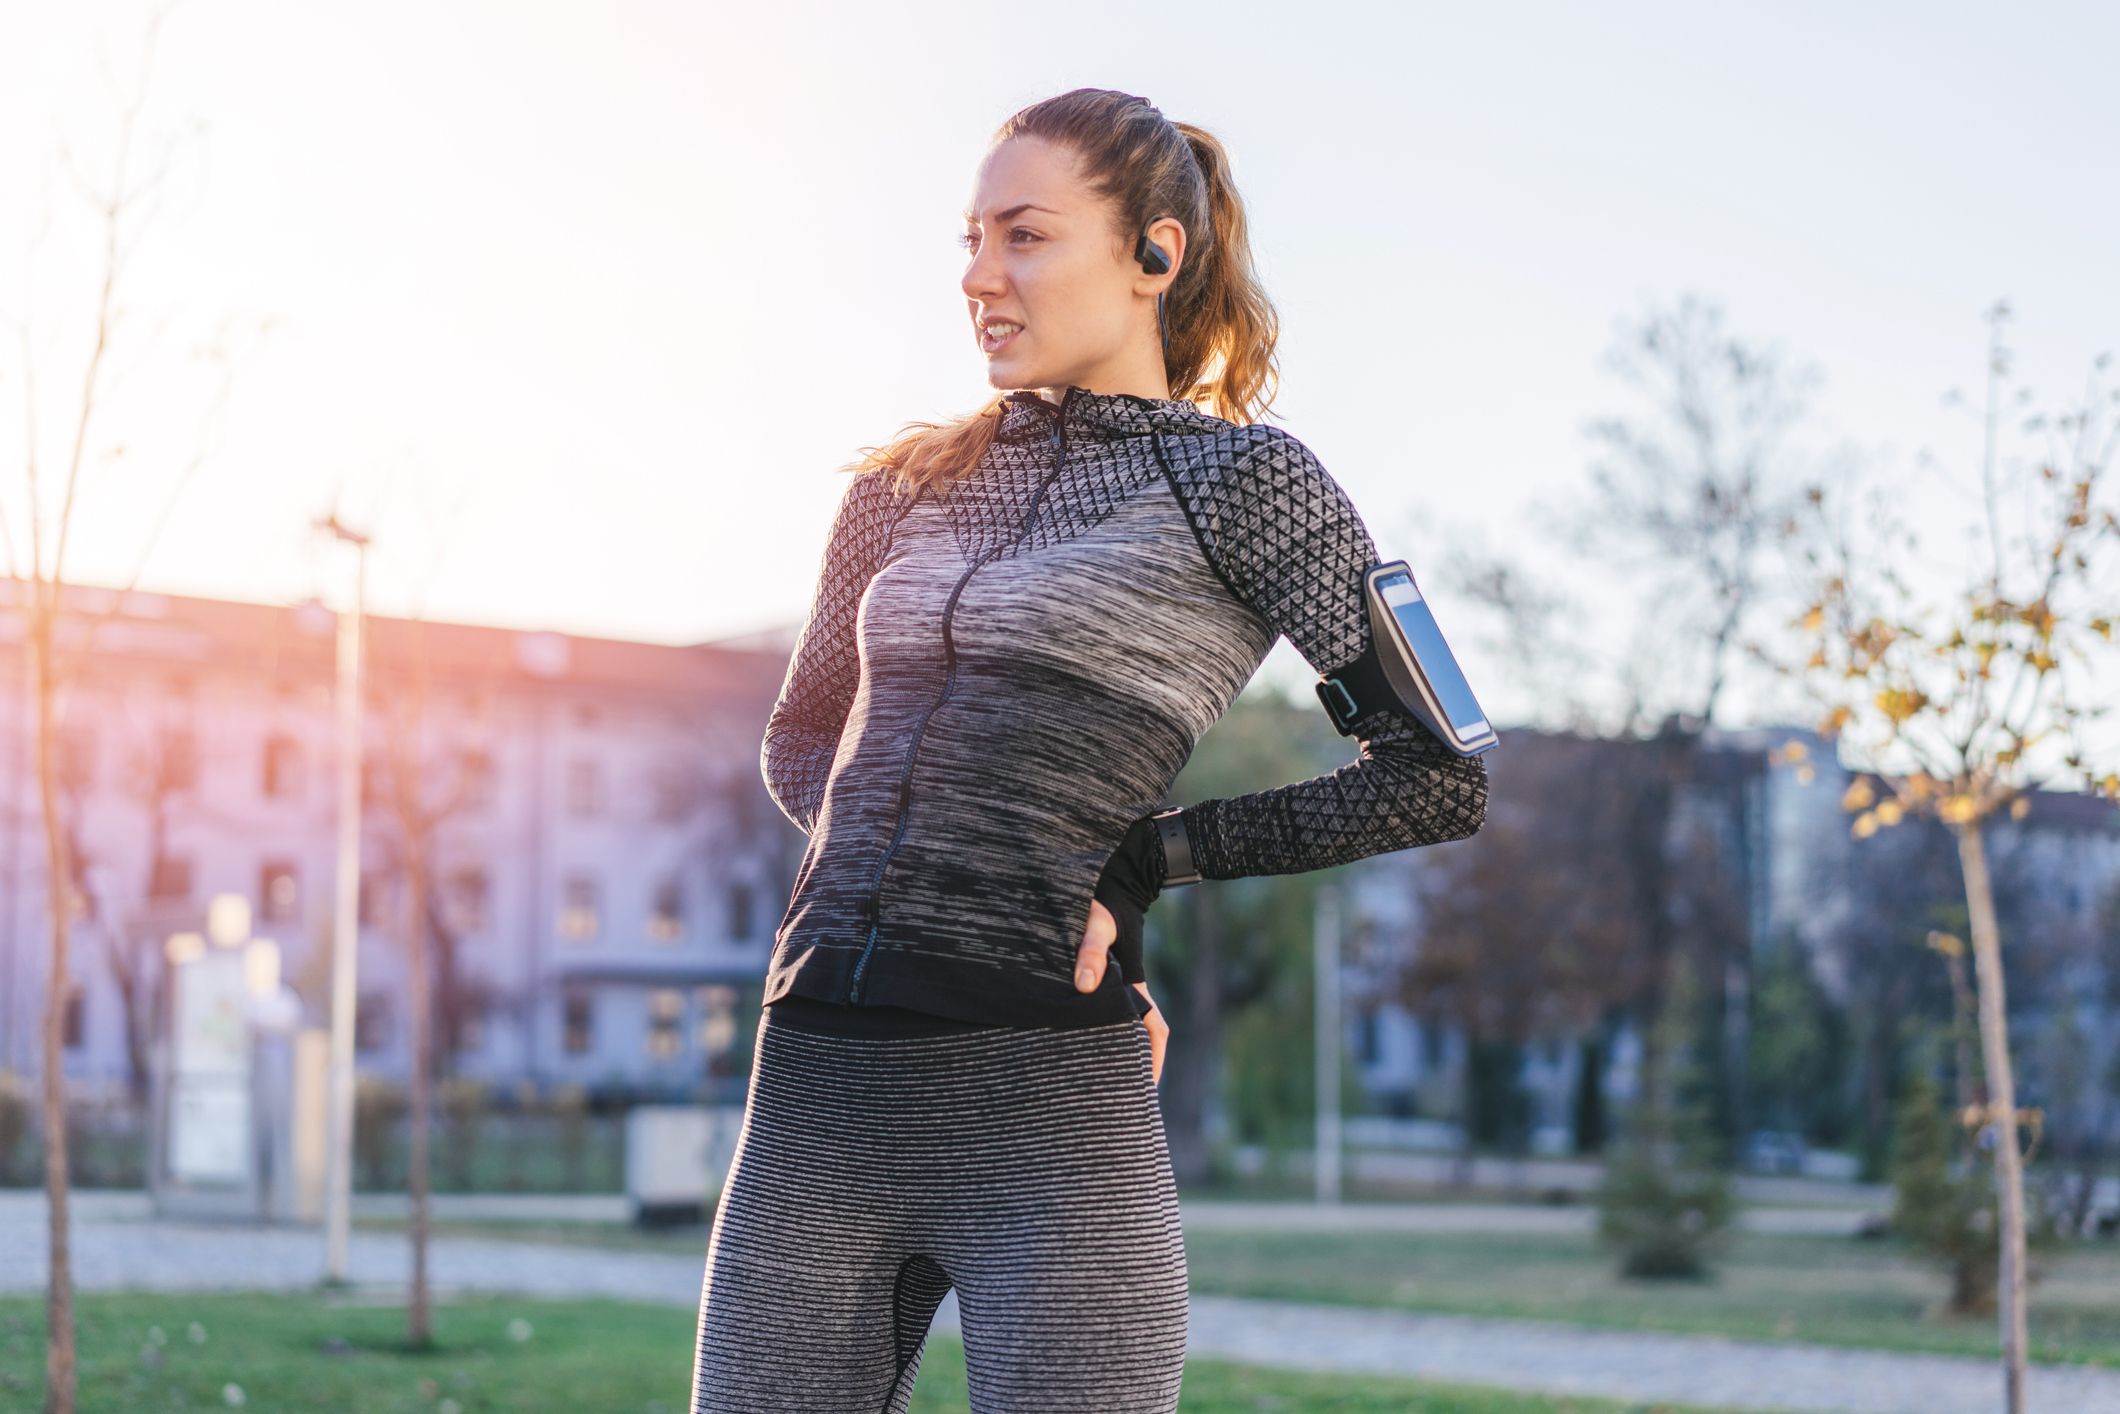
pixel 994 682
pixel 1024 1166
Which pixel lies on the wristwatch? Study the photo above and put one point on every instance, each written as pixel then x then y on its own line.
pixel 1177 847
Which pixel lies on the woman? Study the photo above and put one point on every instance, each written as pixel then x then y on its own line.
pixel 1023 622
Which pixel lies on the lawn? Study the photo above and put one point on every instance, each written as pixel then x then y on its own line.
pixel 278 1351
pixel 1835 1291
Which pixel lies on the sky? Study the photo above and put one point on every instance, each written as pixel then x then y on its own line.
pixel 577 307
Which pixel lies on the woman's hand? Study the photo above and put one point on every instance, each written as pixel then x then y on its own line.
pixel 1090 961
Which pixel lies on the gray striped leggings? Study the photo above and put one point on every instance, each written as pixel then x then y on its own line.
pixel 1024 1166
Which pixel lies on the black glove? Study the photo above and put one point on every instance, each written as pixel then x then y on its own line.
pixel 1132 878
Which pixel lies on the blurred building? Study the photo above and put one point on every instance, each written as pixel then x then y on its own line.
pixel 607 869
pixel 1762 821
pixel 606 865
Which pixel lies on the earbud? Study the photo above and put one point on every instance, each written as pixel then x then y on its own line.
pixel 1156 261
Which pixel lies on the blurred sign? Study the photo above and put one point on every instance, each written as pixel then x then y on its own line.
pixel 209 1112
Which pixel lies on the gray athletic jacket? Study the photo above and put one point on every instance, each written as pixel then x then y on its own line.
pixel 994 682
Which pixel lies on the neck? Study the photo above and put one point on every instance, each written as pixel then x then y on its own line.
pixel 1143 378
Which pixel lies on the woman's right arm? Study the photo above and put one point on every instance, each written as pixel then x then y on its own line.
pixel 802 734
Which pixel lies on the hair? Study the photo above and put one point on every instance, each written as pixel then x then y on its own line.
pixel 1221 327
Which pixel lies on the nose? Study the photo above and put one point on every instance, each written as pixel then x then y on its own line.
pixel 982 277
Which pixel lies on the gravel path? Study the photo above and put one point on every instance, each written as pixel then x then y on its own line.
pixel 116 1246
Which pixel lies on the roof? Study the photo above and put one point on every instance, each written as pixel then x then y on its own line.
pixel 186 635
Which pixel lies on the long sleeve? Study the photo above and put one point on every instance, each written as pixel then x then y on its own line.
pixel 1289 542
pixel 802 733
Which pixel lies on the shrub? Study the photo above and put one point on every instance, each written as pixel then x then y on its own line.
pixel 463 1103
pixel 1666 1205
pixel 1943 1202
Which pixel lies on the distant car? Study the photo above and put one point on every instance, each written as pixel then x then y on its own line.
pixel 1775 1151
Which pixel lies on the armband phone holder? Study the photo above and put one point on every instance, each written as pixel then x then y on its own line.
pixel 1407 668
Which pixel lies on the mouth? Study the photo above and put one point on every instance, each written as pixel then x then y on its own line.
pixel 998 335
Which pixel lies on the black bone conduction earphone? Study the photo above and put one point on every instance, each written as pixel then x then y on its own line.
pixel 1155 260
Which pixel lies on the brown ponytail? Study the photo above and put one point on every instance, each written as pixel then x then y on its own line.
pixel 1222 327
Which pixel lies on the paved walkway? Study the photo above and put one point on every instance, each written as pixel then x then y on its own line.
pixel 114 1248
pixel 1200 1215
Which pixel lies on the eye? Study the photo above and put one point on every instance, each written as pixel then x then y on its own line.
pixel 968 239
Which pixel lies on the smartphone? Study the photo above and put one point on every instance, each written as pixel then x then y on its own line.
pixel 1421 667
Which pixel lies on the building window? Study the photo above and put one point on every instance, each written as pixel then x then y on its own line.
pixel 169 878
pixel 578 1016
pixel 77 756
pixel 577 914
pixel 585 790
pixel 279 892
pixel 1368 1037
pixel 373 890
pixel 666 919
pixel 180 759
pixel 743 805
pixel 1432 1057
pixel 282 774
pixel 742 915
pixel 371 1024
pixel 666 1011
pixel 467 900
pixel 717 1018
pixel 75 1024
pixel 669 791
pixel 475 768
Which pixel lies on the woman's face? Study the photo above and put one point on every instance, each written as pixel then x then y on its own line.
pixel 1044 257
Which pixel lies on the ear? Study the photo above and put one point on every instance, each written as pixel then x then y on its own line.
pixel 1165 231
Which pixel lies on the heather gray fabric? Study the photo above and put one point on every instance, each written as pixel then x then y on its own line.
pixel 1026 1166
pixel 994 682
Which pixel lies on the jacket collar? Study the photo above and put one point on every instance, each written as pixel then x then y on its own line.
pixel 1027 417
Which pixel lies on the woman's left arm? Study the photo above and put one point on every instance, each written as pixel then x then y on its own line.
pixel 1289 541
pixel 1285 538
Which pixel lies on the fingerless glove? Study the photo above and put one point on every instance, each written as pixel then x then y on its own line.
pixel 1132 879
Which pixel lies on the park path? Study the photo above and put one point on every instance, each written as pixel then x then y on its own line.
pixel 117 1245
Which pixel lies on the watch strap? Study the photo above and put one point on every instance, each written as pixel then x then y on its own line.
pixel 1177 847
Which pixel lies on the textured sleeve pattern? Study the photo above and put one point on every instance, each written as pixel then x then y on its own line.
pixel 1288 542
pixel 802 734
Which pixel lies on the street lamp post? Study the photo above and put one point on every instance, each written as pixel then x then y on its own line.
pixel 1326 956
pixel 345 933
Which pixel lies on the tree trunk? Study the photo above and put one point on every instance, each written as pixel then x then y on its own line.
pixel 1462 1164
pixel 60 1378
pixel 1590 1093
pixel 2002 1108
pixel 418 1322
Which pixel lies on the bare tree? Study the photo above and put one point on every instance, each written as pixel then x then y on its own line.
pixel 154 765
pixel 1693 491
pixel 1950 702
pixel 59 642
pixel 1531 934
pixel 421 787
pixel 1678 524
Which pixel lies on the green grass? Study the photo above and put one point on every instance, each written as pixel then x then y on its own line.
pixel 608 1356
pixel 1833 1291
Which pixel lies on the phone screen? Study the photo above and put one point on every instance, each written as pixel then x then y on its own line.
pixel 1415 620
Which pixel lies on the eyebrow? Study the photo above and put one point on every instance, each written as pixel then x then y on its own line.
pixel 1014 211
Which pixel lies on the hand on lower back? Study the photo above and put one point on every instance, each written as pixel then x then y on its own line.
pixel 1093 957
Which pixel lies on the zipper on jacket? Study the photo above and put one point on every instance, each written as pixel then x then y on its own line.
pixel 949 677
